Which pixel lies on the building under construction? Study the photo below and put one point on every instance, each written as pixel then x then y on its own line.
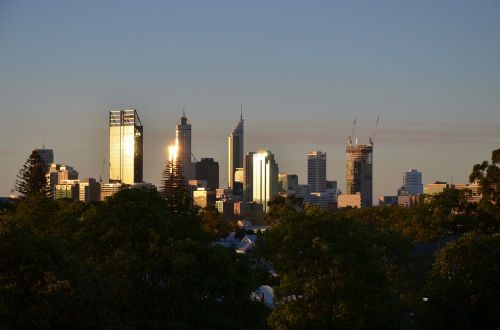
pixel 359 168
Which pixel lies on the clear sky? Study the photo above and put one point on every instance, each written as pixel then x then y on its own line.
pixel 303 70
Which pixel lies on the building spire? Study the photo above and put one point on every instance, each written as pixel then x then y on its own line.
pixel 183 112
pixel 241 113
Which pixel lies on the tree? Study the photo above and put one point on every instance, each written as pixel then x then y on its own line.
pixel 332 274
pixel 31 177
pixel 488 176
pixel 463 290
pixel 174 189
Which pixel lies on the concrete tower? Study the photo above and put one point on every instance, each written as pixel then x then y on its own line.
pixel 183 144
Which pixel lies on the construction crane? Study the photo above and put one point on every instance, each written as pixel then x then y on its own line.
pixel 352 133
pixel 372 140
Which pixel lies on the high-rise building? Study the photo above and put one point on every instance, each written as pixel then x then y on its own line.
pixel 89 190
pixel 359 172
pixel 57 173
pixel 412 182
pixel 265 178
pixel 293 180
pixel 316 170
pixel 183 144
pixel 208 169
pixel 235 153
pixel 47 156
pixel 125 147
pixel 248 177
pixel 283 182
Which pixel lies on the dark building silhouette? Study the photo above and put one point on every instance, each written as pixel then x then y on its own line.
pixel 208 169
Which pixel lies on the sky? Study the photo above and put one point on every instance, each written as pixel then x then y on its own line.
pixel 303 70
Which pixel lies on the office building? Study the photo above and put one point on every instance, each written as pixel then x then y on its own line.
pixel 412 182
pixel 109 189
pixel 47 156
pixel 208 169
pixel 435 188
pixel 90 190
pixel 235 154
pixel 203 198
pixel 57 173
pixel 283 182
pixel 183 144
pixel 265 178
pixel 349 200
pixel 125 147
pixel 316 170
pixel 67 189
pixel 331 185
pixel 473 192
pixel 248 177
pixel 293 180
pixel 359 172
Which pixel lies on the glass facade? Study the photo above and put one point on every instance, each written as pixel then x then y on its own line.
pixel 235 152
pixel 125 147
pixel 265 178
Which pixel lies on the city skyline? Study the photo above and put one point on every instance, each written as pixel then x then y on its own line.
pixel 303 72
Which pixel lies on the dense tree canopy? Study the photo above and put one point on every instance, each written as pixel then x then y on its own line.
pixel 129 262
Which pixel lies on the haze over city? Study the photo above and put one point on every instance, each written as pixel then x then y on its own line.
pixel 303 72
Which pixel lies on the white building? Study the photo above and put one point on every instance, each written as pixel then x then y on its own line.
pixel 265 178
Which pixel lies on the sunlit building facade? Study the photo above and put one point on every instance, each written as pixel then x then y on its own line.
pixel 265 178
pixel 235 156
pixel 125 147
pixel 359 172
pixel 316 170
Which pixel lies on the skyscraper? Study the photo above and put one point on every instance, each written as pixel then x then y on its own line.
pixel 248 177
pixel 125 147
pixel 183 144
pixel 359 172
pixel 412 182
pixel 47 156
pixel 235 155
pixel 265 178
pixel 207 169
pixel 316 170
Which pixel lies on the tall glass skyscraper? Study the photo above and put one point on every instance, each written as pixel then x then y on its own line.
pixel 316 171
pixel 235 155
pixel 183 143
pixel 359 172
pixel 265 178
pixel 125 147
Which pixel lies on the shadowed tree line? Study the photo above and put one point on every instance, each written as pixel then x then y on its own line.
pixel 139 260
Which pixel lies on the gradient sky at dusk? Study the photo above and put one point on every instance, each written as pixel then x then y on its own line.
pixel 303 70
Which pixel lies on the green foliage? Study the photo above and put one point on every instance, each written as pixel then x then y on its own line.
pixel 464 285
pixel 333 274
pixel 31 177
pixel 129 262
pixel 488 176
pixel 214 223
